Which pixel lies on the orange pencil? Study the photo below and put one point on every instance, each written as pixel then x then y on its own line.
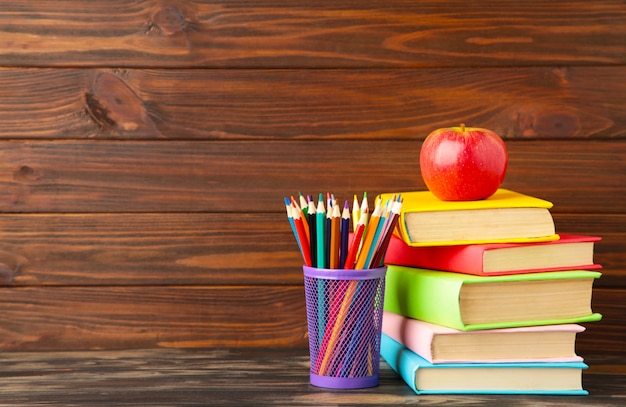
pixel 303 219
pixel 369 236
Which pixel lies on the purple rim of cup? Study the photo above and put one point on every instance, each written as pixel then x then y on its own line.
pixel 344 382
pixel 344 274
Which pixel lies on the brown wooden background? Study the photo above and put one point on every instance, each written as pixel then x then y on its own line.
pixel 146 147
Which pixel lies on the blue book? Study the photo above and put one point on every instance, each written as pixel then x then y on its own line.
pixel 564 378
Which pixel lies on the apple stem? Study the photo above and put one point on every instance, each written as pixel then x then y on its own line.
pixel 463 127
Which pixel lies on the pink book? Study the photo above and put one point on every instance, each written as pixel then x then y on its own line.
pixel 438 344
pixel 569 252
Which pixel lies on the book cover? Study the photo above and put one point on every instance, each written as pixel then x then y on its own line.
pixel 564 378
pixel 569 252
pixel 507 216
pixel 439 344
pixel 468 302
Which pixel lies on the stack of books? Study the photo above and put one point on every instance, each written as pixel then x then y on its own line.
pixel 484 297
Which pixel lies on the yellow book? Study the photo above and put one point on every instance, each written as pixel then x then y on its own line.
pixel 505 217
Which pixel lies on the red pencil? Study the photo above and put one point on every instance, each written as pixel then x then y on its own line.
pixel 379 257
pixel 303 214
pixel 306 250
pixel 356 242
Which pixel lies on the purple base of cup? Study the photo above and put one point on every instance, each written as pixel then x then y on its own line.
pixel 344 382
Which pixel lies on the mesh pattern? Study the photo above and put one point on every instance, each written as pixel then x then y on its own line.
pixel 344 321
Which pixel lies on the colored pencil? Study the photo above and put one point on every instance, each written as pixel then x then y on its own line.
pixel 305 223
pixel 320 224
pixel 392 221
pixel 303 207
pixel 306 253
pixel 323 236
pixel 364 206
pixel 335 238
pixel 356 212
pixel 356 241
pixel 291 222
pixel 329 244
pixel 328 230
pixel 312 231
pixel 345 235
pixel 380 224
pixel 369 236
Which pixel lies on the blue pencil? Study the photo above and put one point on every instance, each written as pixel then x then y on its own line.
pixel 291 222
pixel 377 236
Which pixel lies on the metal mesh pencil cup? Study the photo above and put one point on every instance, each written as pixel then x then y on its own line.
pixel 344 315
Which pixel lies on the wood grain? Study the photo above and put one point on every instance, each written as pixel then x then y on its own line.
pixel 378 104
pixel 609 251
pixel 607 335
pixel 125 249
pixel 71 318
pixel 271 33
pixel 239 377
pixel 186 176
pixel 148 249
pixel 146 146
pixel 127 317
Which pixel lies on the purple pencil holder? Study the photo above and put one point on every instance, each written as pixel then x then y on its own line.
pixel 344 315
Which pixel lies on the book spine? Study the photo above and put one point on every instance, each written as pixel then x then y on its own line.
pixel 406 364
pixel 414 336
pixel 419 296
pixel 460 259
pixel 398 357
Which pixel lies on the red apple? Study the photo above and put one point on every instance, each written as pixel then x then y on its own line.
pixel 463 163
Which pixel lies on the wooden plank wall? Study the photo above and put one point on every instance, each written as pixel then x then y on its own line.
pixel 146 147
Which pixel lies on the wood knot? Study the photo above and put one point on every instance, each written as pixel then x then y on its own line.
pixel 111 103
pixel 561 75
pixel 10 265
pixel 26 174
pixel 547 122
pixel 169 20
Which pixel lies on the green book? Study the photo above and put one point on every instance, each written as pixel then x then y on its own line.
pixel 468 302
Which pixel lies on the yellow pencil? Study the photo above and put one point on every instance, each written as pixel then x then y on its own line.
pixel 356 213
pixel 364 206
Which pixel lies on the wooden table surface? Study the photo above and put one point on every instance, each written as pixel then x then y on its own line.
pixel 186 377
